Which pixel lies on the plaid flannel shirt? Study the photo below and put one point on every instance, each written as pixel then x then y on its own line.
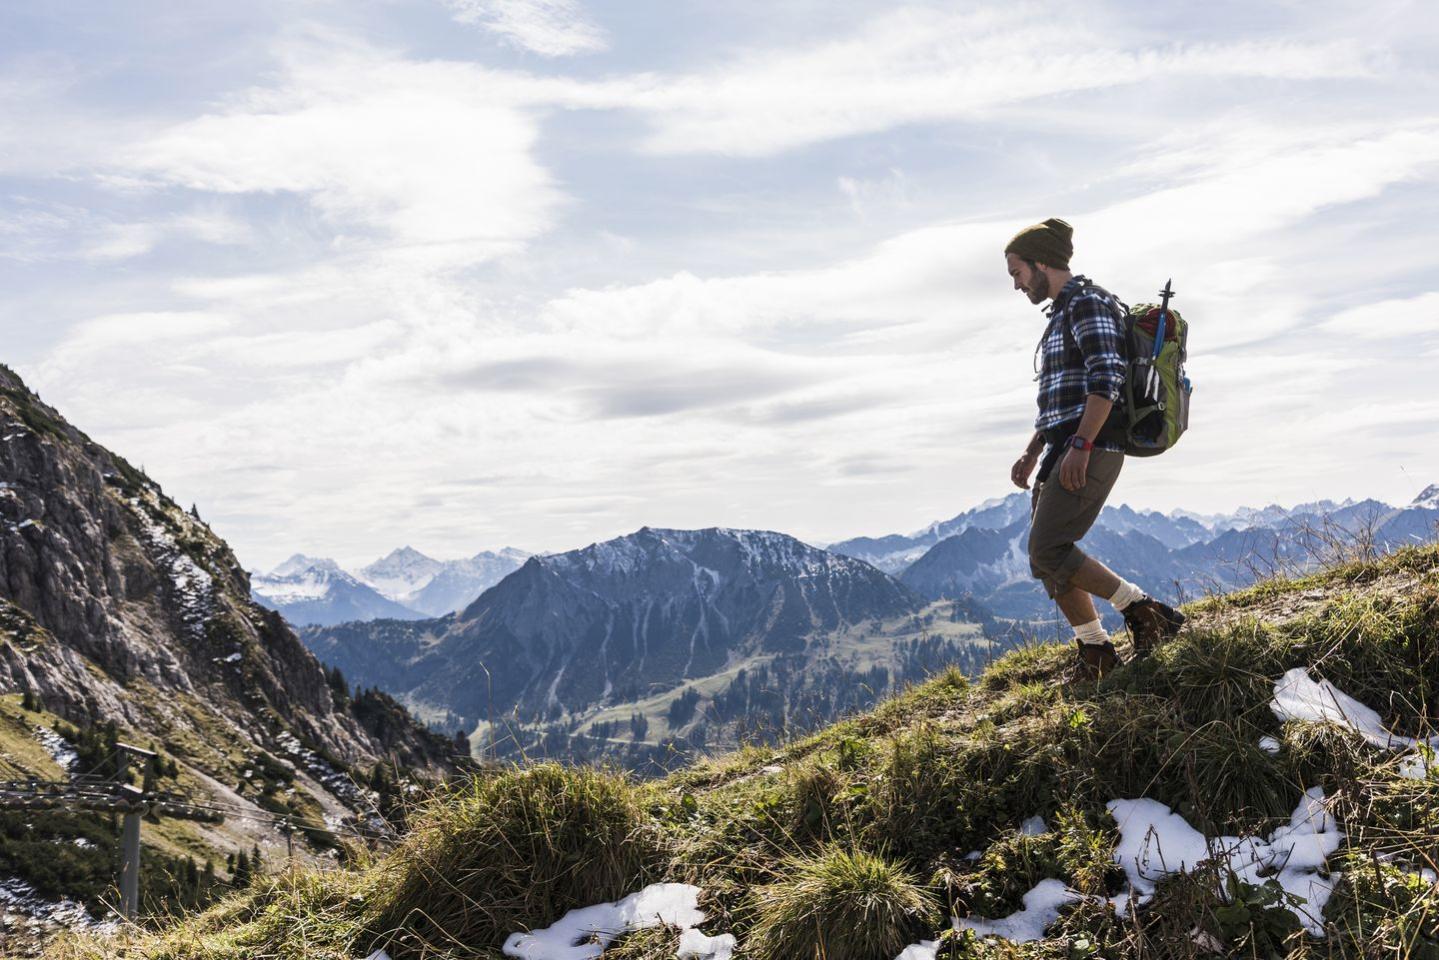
pixel 1089 362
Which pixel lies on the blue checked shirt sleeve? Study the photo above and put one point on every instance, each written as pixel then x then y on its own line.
pixel 1096 331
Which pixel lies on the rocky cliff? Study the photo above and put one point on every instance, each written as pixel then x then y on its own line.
pixel 118 605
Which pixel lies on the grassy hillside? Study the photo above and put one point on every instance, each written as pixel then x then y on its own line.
pixel 857 841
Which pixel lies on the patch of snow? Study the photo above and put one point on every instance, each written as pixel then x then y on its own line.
pixel 1297 696
pixel 584 934
pixel 772 769
pixel 1041 908
pixel 232 658
pixel 1156 842
pixel 193 587
pixel 974 855
pixel 17 896
pixel 335 781
pixel 1034 826
pixel 1269 745
pixel 699 946
pixel 58 747
pixel 1419 764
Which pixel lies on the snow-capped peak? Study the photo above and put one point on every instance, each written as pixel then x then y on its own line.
pixel 401 572
pixel 1428 499
pixel 299 564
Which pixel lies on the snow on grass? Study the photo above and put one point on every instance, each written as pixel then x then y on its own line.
pixel 337 782
pixel 1298 696
pixel 1041 908
pixel 584 934
pixel 1419 764
pixel 20 899
pixel 1156 842
pixel 1269 745
pixel 58 747
pixel 1034 826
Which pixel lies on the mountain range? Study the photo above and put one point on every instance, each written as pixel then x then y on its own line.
pixel 658 635
pixel 980 553
pixel 405 585
pixel 678 638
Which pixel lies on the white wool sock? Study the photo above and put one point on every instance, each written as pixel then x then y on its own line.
pixel 1091 632
pixel 1126 594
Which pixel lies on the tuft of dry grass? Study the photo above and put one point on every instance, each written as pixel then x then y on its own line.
pixel 841 904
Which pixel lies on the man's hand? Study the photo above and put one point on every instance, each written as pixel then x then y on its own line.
pixel 1022 468
pixel 1073 469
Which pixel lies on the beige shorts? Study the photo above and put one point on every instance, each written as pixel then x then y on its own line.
pixel 1059 518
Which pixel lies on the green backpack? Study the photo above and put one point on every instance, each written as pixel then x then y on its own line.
pixel 1156 391
pixel 1153 411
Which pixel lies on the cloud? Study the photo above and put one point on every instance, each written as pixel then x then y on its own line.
pixel 103 334
pixel 1404 318
pixel 865 194
pixel 424 155
pixel 551 28
pixel 922 65
pixel 36 232
pixel 605 380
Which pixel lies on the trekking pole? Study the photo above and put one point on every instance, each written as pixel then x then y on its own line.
pixel 1151 385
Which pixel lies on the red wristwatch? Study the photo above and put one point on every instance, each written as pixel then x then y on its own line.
pixel 1079 443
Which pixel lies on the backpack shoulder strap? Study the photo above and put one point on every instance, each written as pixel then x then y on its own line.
pixel 1121 308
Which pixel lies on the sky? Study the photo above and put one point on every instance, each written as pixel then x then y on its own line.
pixel 463 274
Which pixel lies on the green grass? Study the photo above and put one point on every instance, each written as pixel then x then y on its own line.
pixel 852 840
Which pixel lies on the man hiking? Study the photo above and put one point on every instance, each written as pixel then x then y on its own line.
pixel 1081 366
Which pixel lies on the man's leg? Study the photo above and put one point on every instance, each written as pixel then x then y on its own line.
pixel 1077 606
pixel 1147 619
pixel 1059 520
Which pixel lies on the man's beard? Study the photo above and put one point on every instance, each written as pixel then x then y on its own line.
pixel 1039 289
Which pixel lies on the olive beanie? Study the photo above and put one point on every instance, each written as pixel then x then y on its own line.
pixel 1050 243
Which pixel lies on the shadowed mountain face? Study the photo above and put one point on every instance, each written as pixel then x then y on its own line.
pixel 616 620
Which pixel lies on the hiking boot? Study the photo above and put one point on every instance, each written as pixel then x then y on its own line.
pixel 1096 659
pixel 1150 622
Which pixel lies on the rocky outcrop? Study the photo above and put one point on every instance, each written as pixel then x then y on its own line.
pixel 116 604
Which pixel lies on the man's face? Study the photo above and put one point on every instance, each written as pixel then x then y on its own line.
pixel 1029 279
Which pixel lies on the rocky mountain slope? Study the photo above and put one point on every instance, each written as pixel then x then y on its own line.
pixel 1262 786
pixel 120 609
pixel 661 622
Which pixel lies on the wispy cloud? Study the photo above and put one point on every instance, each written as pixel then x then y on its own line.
pixel 1406 318
pixel 422 154
pixel 922 65
pixel 551 28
